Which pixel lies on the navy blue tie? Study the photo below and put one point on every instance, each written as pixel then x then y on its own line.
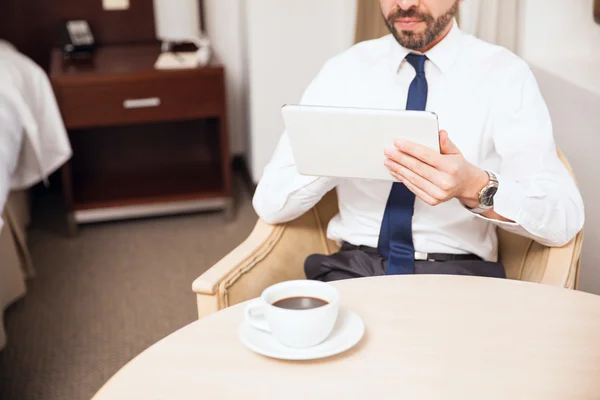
pixel 395 238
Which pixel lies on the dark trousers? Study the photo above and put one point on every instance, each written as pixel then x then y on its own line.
pixel 361 262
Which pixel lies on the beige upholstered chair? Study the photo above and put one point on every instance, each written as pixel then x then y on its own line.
pixel 276 253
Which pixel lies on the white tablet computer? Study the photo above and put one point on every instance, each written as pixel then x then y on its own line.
pixel 350 142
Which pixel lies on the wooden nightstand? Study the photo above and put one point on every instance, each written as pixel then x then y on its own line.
pixel 145 142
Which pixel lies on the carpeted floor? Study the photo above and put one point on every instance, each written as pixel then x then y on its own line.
pixel 102 297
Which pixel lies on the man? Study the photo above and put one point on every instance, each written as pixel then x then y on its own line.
pixel 498 164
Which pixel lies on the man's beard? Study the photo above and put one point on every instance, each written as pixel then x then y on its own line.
pixel 433 29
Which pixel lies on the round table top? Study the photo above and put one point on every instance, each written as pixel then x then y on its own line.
pixel 426 337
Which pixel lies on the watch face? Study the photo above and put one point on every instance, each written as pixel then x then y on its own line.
pixel 488 196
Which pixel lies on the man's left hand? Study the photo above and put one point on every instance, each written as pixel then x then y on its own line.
pixel 436 178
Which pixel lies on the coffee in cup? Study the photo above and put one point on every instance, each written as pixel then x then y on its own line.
pixel 297 313
pixel 300 303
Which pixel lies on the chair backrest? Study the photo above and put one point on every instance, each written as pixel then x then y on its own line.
pixel 523 258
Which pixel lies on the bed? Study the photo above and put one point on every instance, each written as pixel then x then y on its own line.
pixel 33 144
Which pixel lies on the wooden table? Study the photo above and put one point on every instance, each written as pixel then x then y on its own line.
pixel 426 337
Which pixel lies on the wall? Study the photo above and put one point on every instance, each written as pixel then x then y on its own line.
pixel 558 27
pixel 561 42
pixel 225 26
pixel 562 38
pixel 287 44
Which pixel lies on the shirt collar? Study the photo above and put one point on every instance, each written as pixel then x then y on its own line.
pixel 442 55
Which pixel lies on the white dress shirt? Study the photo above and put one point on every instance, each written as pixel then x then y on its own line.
pixel 489 102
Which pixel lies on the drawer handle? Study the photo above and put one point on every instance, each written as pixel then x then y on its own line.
pixel 142 103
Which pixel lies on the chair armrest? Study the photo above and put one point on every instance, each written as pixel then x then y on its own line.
pixel 271 254
pixel 260 238
pixel 562 267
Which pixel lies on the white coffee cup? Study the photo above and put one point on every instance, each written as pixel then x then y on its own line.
pixel 293 327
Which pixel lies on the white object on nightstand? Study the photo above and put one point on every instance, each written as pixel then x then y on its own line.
pixel 115 5
pixel 179 60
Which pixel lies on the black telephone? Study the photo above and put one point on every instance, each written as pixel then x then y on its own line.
pixel 77 39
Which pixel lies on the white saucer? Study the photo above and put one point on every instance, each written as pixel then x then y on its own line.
pixel 348 331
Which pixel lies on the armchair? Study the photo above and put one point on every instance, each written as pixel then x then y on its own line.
pixel 276 253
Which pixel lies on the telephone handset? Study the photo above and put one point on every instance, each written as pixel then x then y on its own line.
pixel 77 38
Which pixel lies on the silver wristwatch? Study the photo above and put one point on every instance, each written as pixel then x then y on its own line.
pixel 486 195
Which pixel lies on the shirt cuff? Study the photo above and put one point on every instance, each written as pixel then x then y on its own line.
pixel 508 202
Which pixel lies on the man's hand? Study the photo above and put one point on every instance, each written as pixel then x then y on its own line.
pixel 436 178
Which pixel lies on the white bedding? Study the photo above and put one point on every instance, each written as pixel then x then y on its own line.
pixel 33 144
pixel 33 139
pixel 11 137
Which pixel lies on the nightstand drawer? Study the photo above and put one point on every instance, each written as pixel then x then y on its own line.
pixel 143 100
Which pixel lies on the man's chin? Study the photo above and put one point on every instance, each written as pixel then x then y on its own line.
pixel 410 36
pixel 411 42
